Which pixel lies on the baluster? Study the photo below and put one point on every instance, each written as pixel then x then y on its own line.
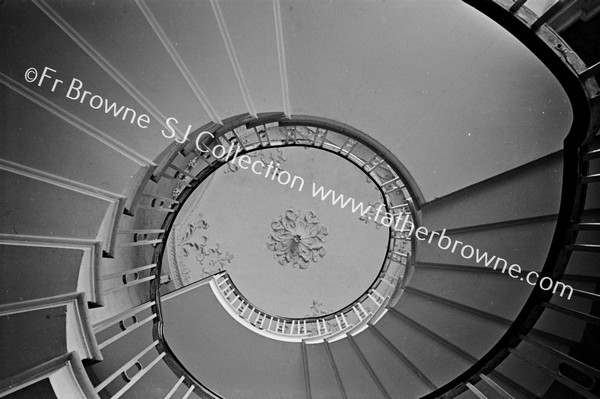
pixel 394 188
pixel 314 141
pixel 380 298
pixel 189 392
pixel 349 150
pixel 179 171
pixel 264 317
pixel 250 313
pixel 172 391
pixel 223 281
pixel 140 237
pixel 343 145
pixel 157 203
pixel 258 136
pixel 476 391
pixel 496 387
pixel 124 273
pixel 240 312
pixel 122 316
pixel 517 5
pixel 323 139
pixel 362 309
pixel 395 179
pixel 375 164
pixel 325 326
pixel 267 135
pixel 588 73
pixel 340 326
pixel 126 330
pixel 122 371
pixel 553 10
pixel 128 284
pixel 357 312
pixel 399 206
pixel 553 374
pixel 235 298
pixel 239 140
pixel 397 256
pixel 344 320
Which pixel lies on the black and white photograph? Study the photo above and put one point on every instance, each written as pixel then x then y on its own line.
pixel 300 199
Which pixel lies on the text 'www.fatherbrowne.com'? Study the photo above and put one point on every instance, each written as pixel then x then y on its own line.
pixel 399 223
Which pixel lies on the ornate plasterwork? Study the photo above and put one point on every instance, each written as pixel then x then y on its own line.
pixel 195 257
pixel 183 179
pixel 276 156
pixel 317 310
pixel 369 216
pixel 297 239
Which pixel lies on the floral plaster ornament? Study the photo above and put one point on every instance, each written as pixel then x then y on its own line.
pixel 297 239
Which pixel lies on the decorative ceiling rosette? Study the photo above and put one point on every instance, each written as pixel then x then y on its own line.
pixel 297 239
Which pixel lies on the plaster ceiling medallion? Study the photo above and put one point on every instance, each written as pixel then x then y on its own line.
pixel 297 239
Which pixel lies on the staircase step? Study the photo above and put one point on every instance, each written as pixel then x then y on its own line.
pixel 573 313
pixel 67 210
pixel 61 377
pixel 595 178
pixel 355 377
pixel 454 324
pixel 480 295
pixel 47 328
pixel 525 244
pixel 584 247
pixel 220 337
pixel 485 202
pixel 69 145
pixel 323 379
pixel 587 295
pixel 591 71
pixel 530 381
pixel 437 358
pixel 69 265
pixel 382 353
pixel 582 265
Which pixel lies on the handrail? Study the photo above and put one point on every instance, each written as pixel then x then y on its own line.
pixel 229 134
pixel 564 64
pixel 344 150
pixel 580 86
pixel 311 329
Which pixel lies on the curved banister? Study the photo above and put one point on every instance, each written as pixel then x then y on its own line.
pixel 407 190
pixel 580 85
pixel 564 64
pixel 311 329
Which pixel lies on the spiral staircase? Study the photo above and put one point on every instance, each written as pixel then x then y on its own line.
pixel 483 114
